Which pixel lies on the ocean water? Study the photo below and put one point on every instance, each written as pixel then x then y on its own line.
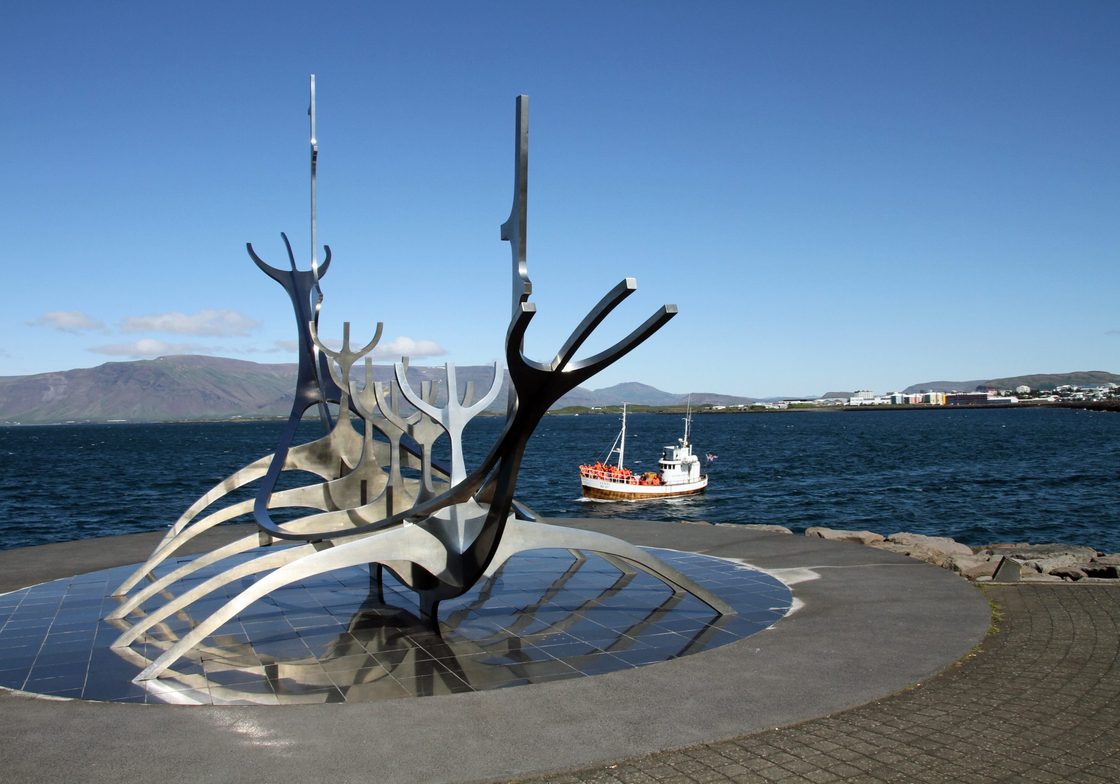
pixel 979 476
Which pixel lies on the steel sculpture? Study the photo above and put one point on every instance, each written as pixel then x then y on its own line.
pixel 439 534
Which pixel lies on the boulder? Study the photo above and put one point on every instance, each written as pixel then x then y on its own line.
pixel 1039 577
pixel 972 566
pixel 1052 563
pixel 839 535
pixel 916 551
pixel 936 550
pixel 777 529
pixel 940 543
pixel 1104 570
pixel 1042 558
pixel 1071 573
pixel 1024 551
pixel 1112 559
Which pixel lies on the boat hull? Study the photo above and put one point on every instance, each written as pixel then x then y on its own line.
pixel 606 490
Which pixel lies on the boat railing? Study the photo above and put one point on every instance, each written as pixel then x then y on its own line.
pixel 613 474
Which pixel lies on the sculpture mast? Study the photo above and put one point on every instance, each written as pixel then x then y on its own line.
pixel 314 161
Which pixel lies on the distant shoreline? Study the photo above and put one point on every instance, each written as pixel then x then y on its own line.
pixel 1089 405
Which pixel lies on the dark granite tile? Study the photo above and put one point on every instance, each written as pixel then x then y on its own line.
pixel 14 678
pixel 316 697
pixel 384 689
pixel 70 694
pixel 430 686
pixel 114 691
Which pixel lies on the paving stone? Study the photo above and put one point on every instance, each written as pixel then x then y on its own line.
pixel 1038 702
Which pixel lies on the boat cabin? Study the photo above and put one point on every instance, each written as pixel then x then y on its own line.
pixel 678 464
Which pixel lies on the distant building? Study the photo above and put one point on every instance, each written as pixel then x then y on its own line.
pixel 977 399
pixel 966 398
pixel 864 397
pixel 1022 389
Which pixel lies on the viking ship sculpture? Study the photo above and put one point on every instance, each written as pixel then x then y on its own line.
pixel 439 533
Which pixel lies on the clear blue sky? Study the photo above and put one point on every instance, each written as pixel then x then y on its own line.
pixel 837 195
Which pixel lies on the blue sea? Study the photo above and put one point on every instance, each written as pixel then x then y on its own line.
pixel 979 476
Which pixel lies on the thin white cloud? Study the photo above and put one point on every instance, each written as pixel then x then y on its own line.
pixel 68 321
pixel 221 323
pixel 148 348
pixel 402 346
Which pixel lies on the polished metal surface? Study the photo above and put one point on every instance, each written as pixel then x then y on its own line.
pixel 546 615
pixel 438 536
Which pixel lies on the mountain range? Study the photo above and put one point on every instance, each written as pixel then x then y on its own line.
pixel 1082 378
pixel 192 387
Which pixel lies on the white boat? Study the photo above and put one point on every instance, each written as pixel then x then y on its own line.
pixel 678 472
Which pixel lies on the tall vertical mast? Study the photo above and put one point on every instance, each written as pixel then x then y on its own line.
pixel 314 162
pixel 324 412
pixel 687 421
pixel 622 439
pixel 515 228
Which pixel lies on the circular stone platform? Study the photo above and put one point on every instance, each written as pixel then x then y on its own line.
pixel 546 615
pixel 866 623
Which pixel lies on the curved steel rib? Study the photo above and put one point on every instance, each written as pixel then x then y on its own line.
pixel 521 536
pixel 328 457
pixel 400 544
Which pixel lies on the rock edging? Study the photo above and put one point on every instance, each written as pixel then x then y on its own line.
pixel 1008 562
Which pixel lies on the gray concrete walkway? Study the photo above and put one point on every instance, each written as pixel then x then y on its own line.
pixel 1038 702
pixel 869 624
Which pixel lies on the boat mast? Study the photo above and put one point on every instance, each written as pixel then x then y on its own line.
pixel 687 421
pixel 622 438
